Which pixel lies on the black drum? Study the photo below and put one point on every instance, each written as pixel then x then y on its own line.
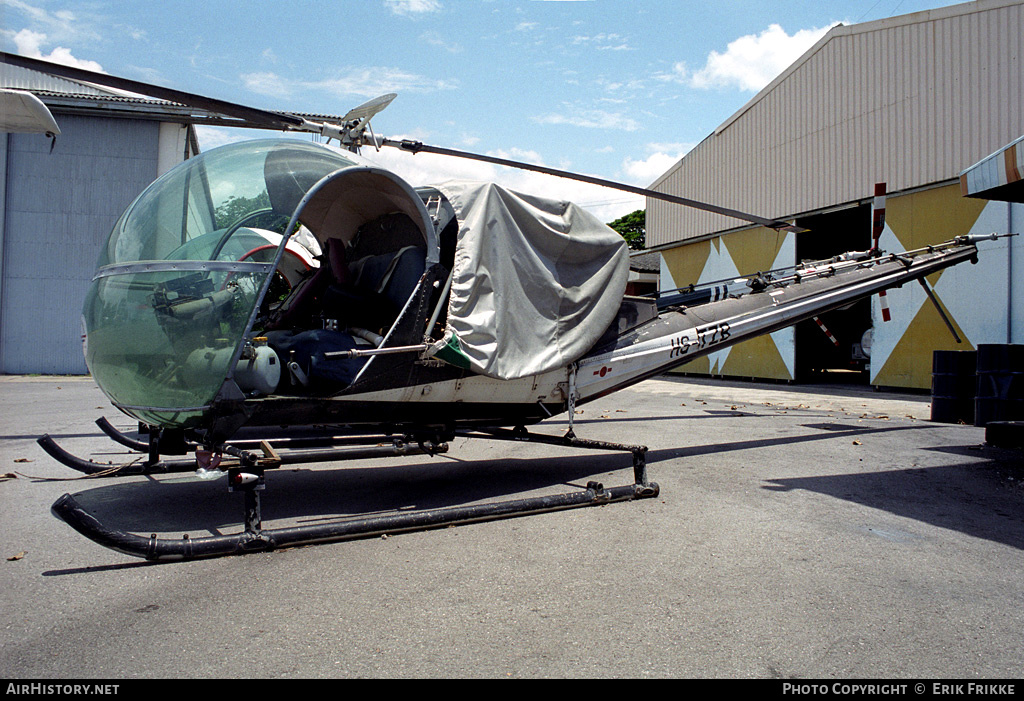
pixel 954 382
pixel 1000 393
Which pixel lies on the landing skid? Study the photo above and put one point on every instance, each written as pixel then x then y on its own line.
pixel 293 451
pixel 247 477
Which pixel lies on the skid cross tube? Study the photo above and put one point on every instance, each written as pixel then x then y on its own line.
pixel 256 539
pixel 570 440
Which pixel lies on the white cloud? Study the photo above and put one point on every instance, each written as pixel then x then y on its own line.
pixel 590 118
pixel 149 75
pixel 266 83
pixel 620 91
pixel 411 8
pixel 435 39
pixel 29 43
pixel 212 137
pixel 752 61
pixel 603 42
pixel 660 158
pixel 63 26
pixel 677 74
pixel 133 32
pixel 431 169
pixel 373 81
pixel 361 82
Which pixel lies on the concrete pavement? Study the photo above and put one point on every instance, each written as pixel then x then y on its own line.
pixel 800 532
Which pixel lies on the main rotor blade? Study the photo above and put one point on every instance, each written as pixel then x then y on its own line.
pixel 253 115
pixel 284 121
pixel 417 147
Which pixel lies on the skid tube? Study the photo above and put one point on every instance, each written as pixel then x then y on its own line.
pixel 355 448
pixel 119 437
pixel 317 440
pixel 255 539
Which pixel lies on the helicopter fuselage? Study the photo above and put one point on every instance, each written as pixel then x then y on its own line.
pixel 417 394
pixel 276 283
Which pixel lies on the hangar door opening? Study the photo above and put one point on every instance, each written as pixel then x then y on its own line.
pixel 837 349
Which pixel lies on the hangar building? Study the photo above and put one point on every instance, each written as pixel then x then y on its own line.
pixel 59 200
pixel 912 102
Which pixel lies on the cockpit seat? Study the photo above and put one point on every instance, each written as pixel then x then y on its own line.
pixel 304 300
pixel 392 275
pixel 369 294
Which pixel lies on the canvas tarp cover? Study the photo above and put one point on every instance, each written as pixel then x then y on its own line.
pixel 535 281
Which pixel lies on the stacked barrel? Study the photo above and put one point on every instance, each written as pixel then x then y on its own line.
pixel 984 388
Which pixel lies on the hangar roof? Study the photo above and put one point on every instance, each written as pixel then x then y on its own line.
pixel 909 101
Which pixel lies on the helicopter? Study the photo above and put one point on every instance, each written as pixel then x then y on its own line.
pixel 282 283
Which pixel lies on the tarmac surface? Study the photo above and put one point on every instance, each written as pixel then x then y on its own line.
pixel 800 532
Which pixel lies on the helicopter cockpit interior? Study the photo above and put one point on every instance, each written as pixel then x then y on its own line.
pixel 376 241
pixel 351 300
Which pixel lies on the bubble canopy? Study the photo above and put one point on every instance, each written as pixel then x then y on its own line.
pixel 251 183
pixel 184 268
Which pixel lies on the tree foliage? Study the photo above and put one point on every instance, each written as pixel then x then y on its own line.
pixel 633 228
pixel 234 208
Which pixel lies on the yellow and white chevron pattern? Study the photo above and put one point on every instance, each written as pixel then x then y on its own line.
pixel 725 258
pixel 977 298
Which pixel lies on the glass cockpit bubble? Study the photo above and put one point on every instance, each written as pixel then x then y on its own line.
pixel 182 270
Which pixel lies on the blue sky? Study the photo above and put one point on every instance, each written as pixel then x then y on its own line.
pixel 613 88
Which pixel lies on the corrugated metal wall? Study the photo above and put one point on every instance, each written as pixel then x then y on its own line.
pixel 59 209
pixel 909 101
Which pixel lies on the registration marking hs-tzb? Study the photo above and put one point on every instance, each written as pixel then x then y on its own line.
pixel 704 336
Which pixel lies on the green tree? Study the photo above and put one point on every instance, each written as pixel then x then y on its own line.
pixel 234 208
pixel 633 228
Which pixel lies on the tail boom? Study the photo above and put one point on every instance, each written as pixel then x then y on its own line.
pixel 681 335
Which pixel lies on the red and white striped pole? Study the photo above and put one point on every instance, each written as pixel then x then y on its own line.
pixel 827 332
pixel 886 316
pixel 877 215
pixel 877 226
